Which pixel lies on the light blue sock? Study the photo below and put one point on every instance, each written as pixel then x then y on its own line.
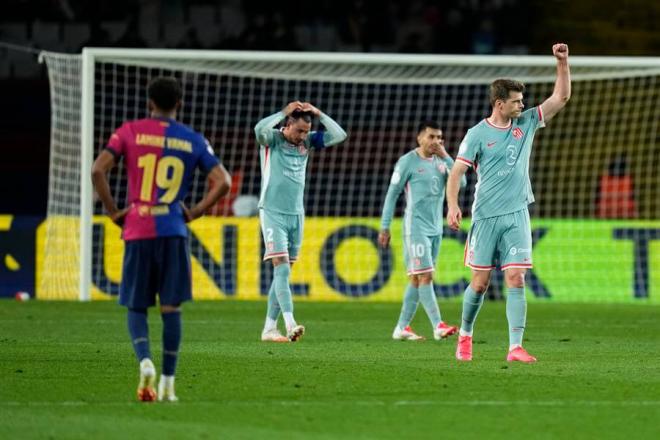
pixel 273 311
pixel 138 328
pixel 430 303
pixel 409 306
pixel 281 275
pixel 516 314
pixel 471 305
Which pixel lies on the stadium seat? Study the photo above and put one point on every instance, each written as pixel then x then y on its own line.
pixel 16 33
pixel 115 29
pixel 46 35
pixel 616 198
pixel 173 33
pixel 4 64
pixel 74 35
pixel 231 20
pixel 23 64
pixel 224 205
pixel 203 18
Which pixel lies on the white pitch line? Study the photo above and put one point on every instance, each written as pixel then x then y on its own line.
pixel 540 403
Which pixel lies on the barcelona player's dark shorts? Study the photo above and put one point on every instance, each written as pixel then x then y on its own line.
pixel 156 266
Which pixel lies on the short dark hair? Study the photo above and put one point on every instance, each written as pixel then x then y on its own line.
pixel 297 114
pixel 428 124
pixel 500 89
pixel 165 92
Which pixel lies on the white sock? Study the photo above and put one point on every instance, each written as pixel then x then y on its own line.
pixel 270 324
pixel 512 346
pixel 168 381
pixel 288 319
pixel 464 333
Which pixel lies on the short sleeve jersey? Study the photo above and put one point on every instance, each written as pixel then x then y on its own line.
pixel 500 156
pixel 160 157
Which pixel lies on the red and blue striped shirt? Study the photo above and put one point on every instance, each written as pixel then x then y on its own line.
pixel 160 157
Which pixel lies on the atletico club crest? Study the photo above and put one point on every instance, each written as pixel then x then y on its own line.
pixel 517 133
pixel 442 168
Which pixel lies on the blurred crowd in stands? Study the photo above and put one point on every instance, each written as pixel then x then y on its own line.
pixel 411 26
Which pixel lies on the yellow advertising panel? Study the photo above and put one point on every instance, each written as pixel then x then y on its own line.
pixel 574 260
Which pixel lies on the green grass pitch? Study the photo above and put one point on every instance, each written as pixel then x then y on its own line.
pixel 67 371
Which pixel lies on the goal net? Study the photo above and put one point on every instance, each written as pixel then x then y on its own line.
pixel 593 169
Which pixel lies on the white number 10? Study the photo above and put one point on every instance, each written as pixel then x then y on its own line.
pixel 417 250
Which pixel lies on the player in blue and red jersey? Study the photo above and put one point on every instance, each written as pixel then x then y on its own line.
pixel 160 156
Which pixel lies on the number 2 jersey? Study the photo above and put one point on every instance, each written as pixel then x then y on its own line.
pixel 500 156
pixel 160 157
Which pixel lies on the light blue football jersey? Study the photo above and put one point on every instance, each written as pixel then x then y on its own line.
pixel 283 165
pixel 423 181
pixel 500 156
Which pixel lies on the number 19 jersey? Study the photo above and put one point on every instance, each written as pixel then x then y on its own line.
pixel 160 157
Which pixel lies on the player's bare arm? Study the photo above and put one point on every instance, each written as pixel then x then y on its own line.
pixel 221 184
pixel 562 91
pixel 384 237
pixel 454 214
pixel 104 163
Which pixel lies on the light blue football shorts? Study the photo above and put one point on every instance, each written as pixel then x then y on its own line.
pixel 505 239
pixel 420 253
pixel 282 234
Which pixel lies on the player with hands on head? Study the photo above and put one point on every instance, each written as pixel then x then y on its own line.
pixel 283 154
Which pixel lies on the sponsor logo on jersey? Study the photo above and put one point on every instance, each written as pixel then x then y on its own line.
pixel 515 251
pixel 517 133
pixel 155 210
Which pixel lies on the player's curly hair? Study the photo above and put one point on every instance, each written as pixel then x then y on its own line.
pixel 500 88
pixel 165 92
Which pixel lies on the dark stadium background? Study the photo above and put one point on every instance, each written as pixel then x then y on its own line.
pixel 466 27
